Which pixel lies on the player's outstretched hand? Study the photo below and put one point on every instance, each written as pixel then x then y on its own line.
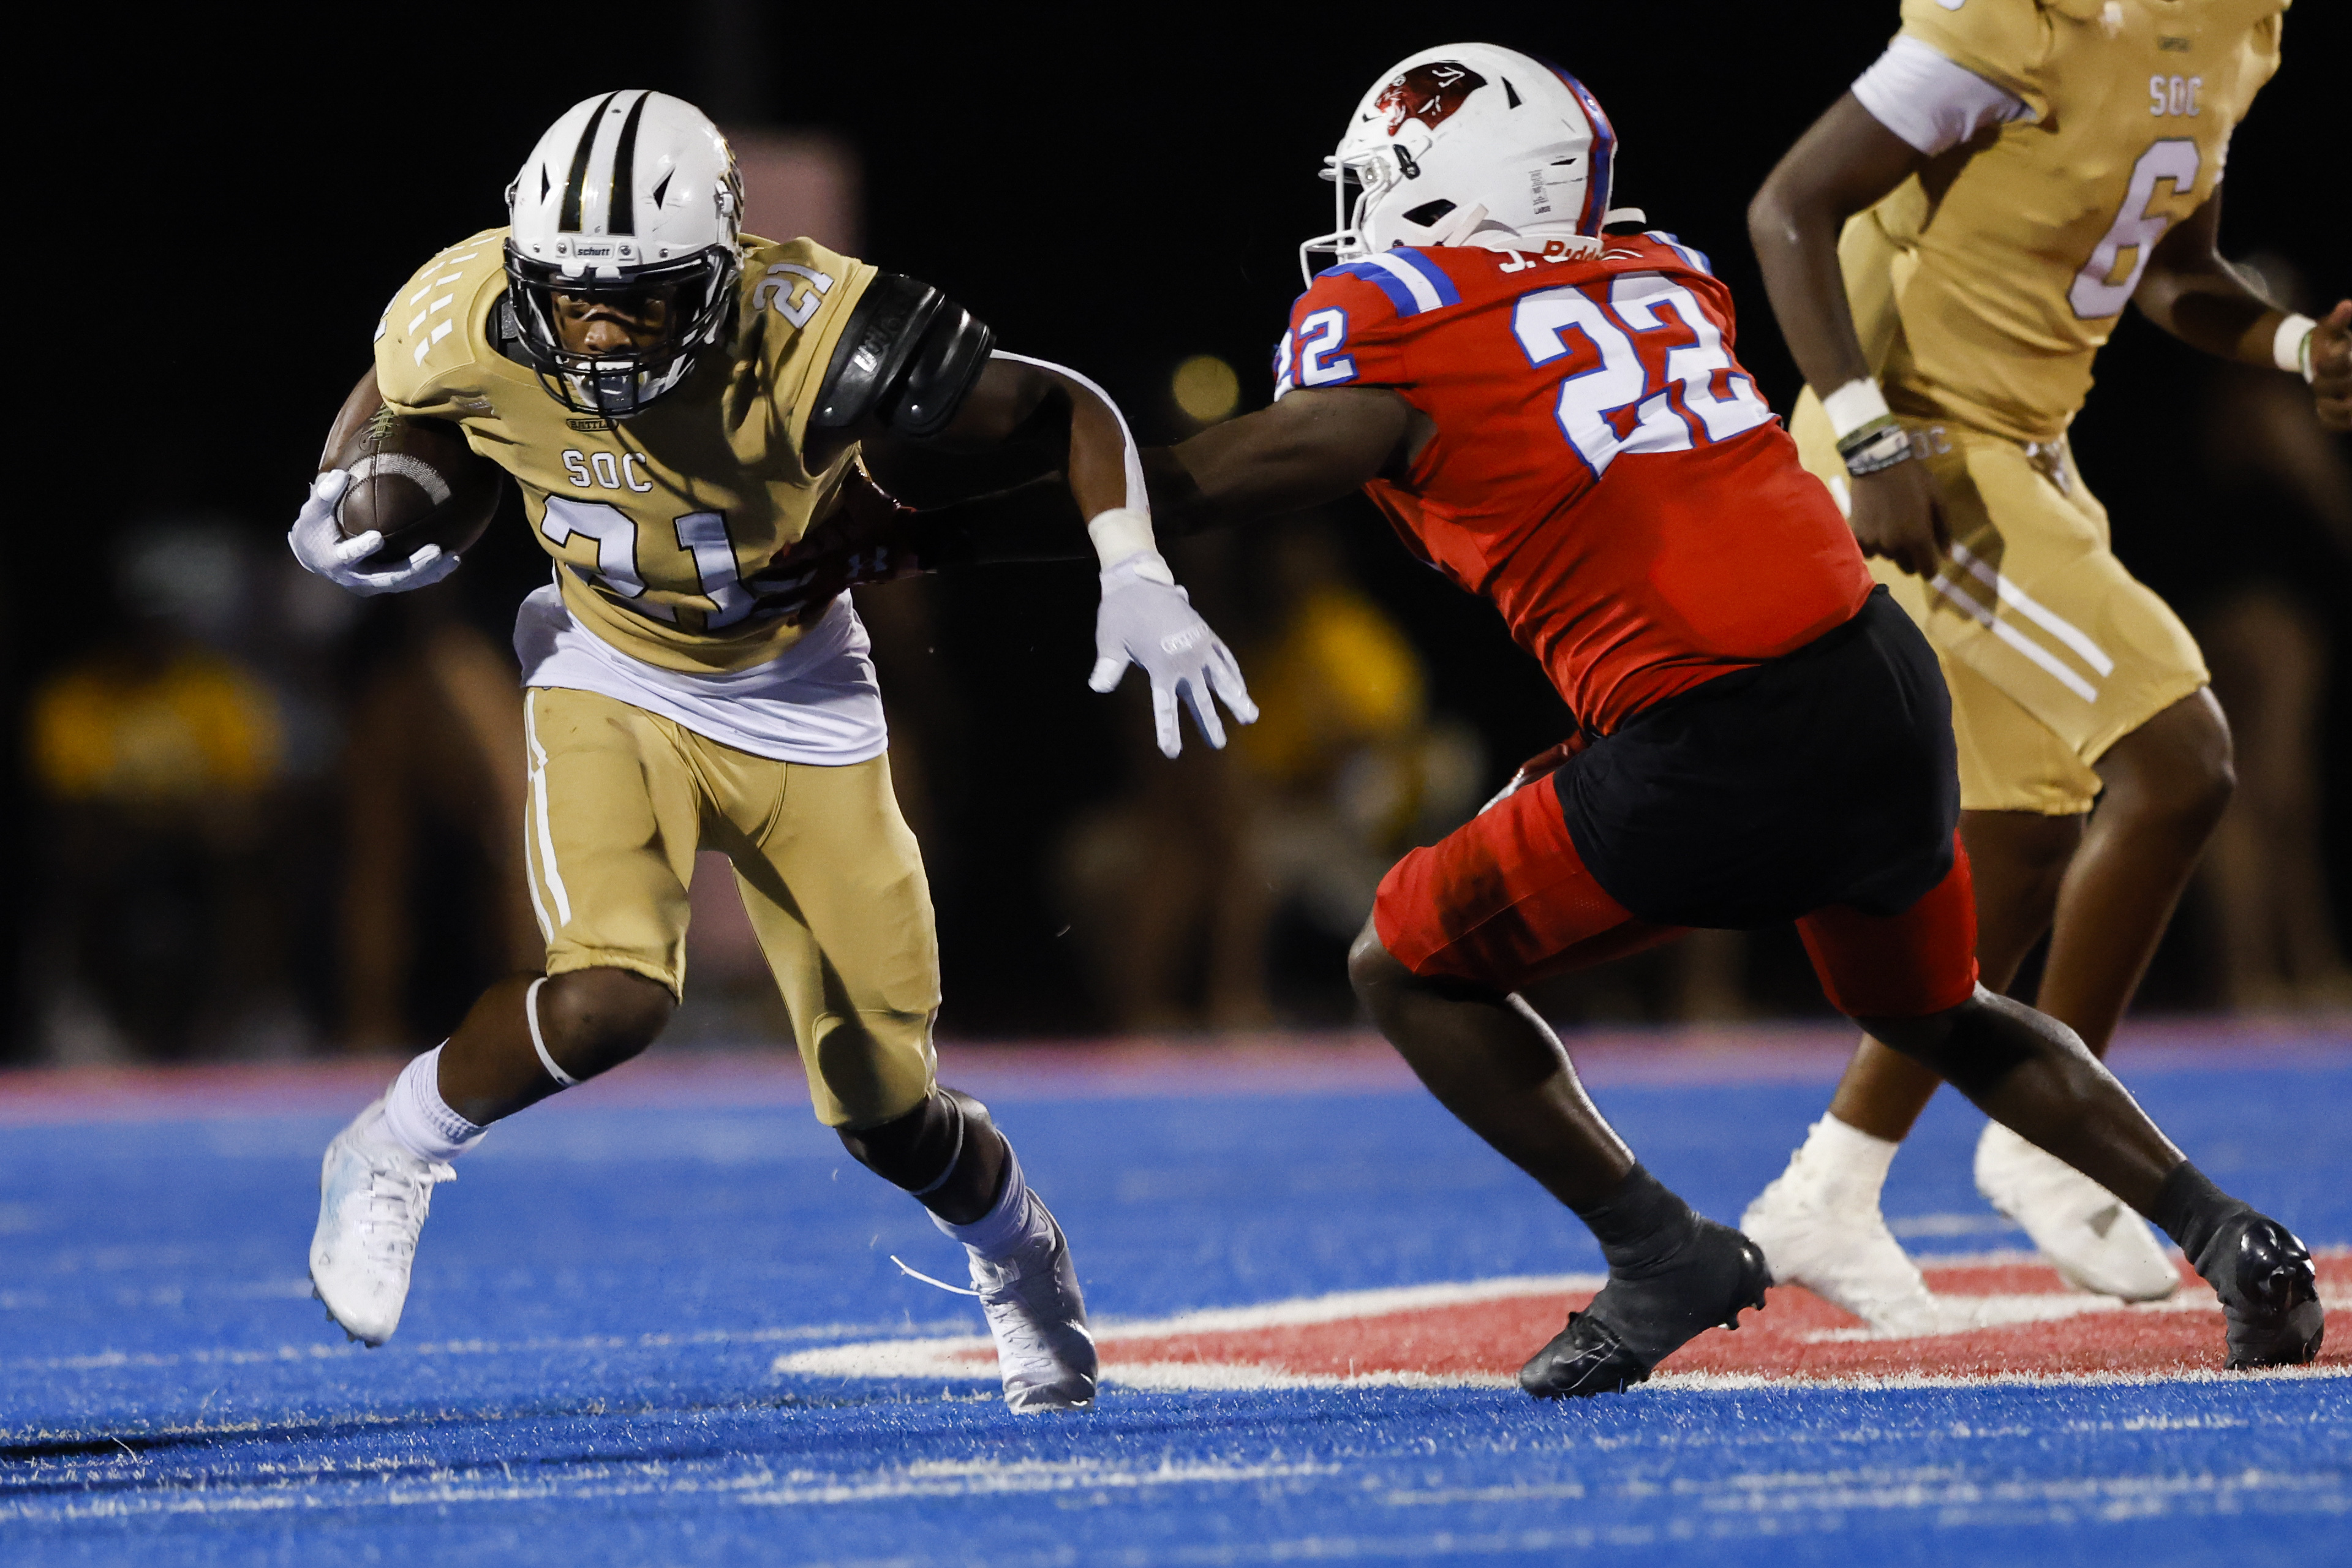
pixel 1894 515
pixel 2331 367
pixel 1147 620
pixel 318 543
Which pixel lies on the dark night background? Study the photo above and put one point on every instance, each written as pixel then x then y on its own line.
pixel 232 199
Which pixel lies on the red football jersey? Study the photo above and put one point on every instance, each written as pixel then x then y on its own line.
pixel 1602 470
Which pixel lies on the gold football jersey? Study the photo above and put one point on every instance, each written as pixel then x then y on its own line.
pixel 655 521
pixel 1982 296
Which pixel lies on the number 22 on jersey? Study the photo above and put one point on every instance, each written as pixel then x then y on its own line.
pixel 1627 400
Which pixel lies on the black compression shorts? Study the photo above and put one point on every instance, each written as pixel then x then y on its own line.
pixel 1827 777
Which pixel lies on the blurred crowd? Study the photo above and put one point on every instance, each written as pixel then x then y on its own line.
pixel 269 819
pixel 269 814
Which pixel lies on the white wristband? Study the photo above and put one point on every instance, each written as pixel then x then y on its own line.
pixel 2286 345
pixel 1121 532
pixel 1853 405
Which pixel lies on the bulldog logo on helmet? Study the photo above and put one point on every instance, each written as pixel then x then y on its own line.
pixel 1429 93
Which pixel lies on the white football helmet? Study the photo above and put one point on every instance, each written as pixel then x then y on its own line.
pixel 630 203
pixel 1462 139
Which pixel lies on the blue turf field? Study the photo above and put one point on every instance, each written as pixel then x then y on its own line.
pixel 584 1376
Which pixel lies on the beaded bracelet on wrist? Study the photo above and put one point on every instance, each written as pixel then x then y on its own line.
pixel 1877 445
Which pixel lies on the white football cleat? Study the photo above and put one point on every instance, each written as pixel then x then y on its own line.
pixel 2094 1239
pixel 373 1196
pixel 1043 1348
pixel 1838 1247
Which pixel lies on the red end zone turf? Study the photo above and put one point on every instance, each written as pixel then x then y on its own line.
pixel 2011 1318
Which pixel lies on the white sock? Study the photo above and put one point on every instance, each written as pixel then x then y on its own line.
pixel 419 1119
pixel 1847 1166
pixel 999 1233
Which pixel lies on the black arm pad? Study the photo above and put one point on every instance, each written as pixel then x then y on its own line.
pixel 907 356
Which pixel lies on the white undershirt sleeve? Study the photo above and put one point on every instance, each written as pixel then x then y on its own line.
pixel 1930 102
pixel 1123 531
pixel 1138 498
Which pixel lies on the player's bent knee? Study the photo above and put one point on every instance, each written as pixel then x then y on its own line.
pixel 1371 968
pixel 2198 788
pixel 593 1020
pixel 2203 792
pixel 2181 765
pixel 1972 1046
pixel 1923 1039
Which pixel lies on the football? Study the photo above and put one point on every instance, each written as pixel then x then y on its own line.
pixel 417 482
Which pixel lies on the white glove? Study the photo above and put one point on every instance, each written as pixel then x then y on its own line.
pixel 1147 620
pixel 318 543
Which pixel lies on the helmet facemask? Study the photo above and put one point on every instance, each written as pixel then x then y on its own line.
pixel 674 310
pixel 1365 186
pixel 1354 180
pixel 627 209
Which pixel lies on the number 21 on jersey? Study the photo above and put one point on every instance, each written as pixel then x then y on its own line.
pixel 1627 400
pixel 700 534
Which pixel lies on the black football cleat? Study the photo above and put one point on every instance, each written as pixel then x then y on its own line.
pixel 1643 1316
pixel 2268 1291
pixel 1583 1359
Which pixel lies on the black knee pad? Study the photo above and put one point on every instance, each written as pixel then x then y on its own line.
pixel 921 1150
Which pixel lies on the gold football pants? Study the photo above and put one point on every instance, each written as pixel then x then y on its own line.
pixel 621 799
pixel 2053 651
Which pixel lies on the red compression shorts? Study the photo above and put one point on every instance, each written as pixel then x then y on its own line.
pixel 1506 900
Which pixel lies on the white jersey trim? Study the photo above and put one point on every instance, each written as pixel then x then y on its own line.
pixel 816 702
pixel 546 832
pixel 1930 102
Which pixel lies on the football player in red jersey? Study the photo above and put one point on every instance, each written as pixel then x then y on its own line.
pixel 1540 395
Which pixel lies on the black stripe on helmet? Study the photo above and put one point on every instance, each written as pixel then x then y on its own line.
pixel 621 218
pixel 568 220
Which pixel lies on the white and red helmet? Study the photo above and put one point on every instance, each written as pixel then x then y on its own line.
pixel 1465 138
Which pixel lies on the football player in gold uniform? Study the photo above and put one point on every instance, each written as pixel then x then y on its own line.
pixel 1946 249
pixel 678 404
